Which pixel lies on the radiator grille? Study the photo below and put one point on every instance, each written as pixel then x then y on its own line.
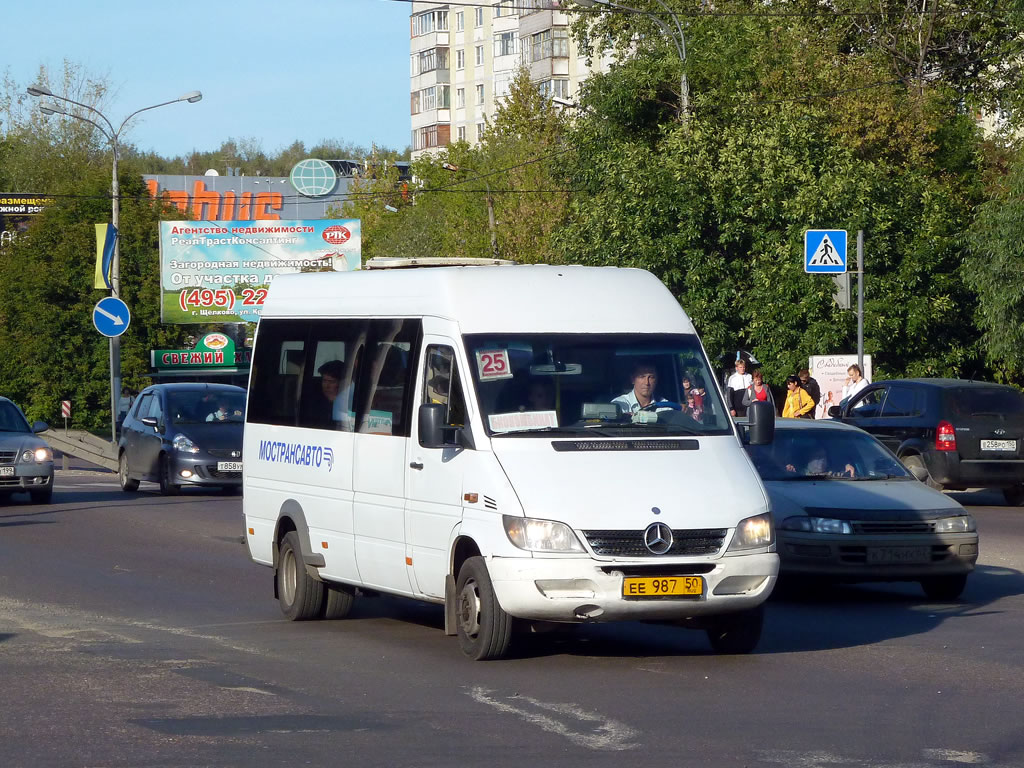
pixel 702 541
pixel 225 453
pixel 7 457
pixel 893 526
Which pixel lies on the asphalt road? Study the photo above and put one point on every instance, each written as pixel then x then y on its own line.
pixel 135 632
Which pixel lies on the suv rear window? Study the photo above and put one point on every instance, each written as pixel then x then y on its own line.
pixel 977 401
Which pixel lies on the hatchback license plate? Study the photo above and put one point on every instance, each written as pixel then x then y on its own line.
pixel 662 586
pixel 899 555
pixel 6 471
pixel 999 445
pixel 229 466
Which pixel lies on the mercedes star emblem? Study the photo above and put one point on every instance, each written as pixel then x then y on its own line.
pixel 658 538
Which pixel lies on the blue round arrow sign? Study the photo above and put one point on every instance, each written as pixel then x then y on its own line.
pixel 111 316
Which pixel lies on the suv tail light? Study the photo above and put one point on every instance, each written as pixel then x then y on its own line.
pixel 945 437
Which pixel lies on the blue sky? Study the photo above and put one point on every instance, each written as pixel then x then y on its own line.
pixel 273 71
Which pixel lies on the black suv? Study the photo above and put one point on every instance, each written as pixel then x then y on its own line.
pixel 966 434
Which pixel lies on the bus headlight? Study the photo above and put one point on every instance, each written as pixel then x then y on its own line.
pixel 753 533
pixel 541 535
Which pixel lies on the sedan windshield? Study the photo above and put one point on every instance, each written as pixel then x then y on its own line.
pixel 605 385
pixel 11 419
pixel 206 406
pixel 820 454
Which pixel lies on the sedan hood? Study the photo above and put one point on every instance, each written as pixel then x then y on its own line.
pixel 713 486
pixel 20 441
pixel 223 435
pixel 860 499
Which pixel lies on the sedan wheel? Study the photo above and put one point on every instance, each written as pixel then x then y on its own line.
pixel 127 484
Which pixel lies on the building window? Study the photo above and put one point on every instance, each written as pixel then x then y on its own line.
pixel 478 17
pixel 479 55
pixel 479 131
pixel 540 45
pixel 460 98
pixel 415 103
pixel 504 8
pixel 430 98
pixel 429 60
pixel 505 44
pixel 460 59
pixel 426 137
pixel 558 87
pixel 561 42
pixel 444 96
pixel 431 21
pixel 461 132
pixel 460 21
pixel 479 94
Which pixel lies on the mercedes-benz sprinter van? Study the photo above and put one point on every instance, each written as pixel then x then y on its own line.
pixel 512 442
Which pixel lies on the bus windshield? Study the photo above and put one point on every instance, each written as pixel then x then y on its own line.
pixel 607 384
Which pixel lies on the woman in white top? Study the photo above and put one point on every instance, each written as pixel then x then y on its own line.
pixel 855 382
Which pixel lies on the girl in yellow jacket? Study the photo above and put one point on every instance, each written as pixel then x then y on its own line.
pixel 798 402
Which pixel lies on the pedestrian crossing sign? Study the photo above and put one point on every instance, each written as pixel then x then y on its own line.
pixel 825 251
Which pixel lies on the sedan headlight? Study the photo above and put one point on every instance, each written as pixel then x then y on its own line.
pixel 541 535
pixel 37 455
pixel 753 533
pixel 958 524
pixel 184 444
pixel 816 525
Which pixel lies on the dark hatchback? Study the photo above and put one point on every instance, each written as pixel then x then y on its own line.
pixel 183 435
pixel 964 434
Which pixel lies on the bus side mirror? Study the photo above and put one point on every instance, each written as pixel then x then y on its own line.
pixel 435 431
pixel 761 422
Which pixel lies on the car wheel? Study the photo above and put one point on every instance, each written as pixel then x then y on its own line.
pixel 127 484
pixel 1014 495
pixel 338 600
pixel 917 461
pixel 736 633
pixel 947 587
pixel 484 629
pixel 167 487
pixel 301 596
pixel 41 497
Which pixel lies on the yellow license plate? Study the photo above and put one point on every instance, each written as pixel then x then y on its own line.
pixel 662 586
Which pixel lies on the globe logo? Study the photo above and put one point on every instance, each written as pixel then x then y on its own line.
pixel 313 178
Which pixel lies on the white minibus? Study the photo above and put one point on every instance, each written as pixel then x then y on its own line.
pixel 511 442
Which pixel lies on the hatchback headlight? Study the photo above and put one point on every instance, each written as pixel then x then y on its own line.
pixel 37 455
pixel 753 533
pixel 958 524
pixel 816 525
pixel 184 444
pixel 541 535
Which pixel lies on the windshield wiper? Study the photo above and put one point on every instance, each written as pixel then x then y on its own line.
pixel 815 476
pixel 551 431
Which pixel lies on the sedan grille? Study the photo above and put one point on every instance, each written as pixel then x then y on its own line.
pixel 894 526
pixel 701 541
pixel 7 457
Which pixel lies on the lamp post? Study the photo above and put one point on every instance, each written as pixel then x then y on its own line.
pixel 490 204
pixel 676 36
pixel 112 136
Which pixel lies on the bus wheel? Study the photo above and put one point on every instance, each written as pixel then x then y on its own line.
pixel 736 633
pixel 301 597
pixel 484 629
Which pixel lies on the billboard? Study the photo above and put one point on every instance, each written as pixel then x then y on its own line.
pixel 219 272
pixel 15 210
pixel 830 373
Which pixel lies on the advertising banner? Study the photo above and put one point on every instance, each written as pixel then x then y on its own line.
pixel 219 272
pixel 830 373
pixel 215 350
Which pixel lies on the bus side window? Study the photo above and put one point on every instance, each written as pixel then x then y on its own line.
pixel 441 383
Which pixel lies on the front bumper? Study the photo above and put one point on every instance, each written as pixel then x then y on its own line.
pixel 201 469
pixel 28 477
pixel 877 558
pixel 582 589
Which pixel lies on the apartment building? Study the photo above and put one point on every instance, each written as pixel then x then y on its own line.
pixel 463 59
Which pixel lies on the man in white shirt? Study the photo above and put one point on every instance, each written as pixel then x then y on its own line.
pixel 855 382
pixel 736 385
pixel 641 397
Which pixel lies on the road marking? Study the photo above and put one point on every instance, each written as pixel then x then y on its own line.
pixel 955 756
pixel 796 759
pixel 608 735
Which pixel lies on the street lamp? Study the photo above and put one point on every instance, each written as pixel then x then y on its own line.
pixel 490 203
pixel 677 37
pixel 112 136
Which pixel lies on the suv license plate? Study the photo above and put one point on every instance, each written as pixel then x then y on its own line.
pixel 999 445
pixel 229 466
pixel 899 555
pixel 6 471
pixel 662 586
